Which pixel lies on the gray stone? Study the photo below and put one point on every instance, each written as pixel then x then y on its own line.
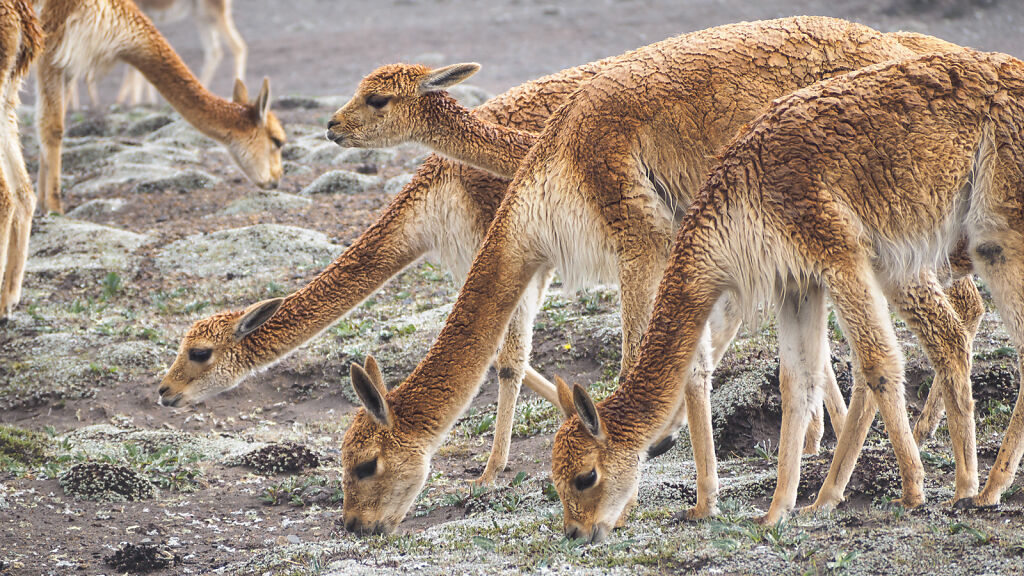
pixel 97 208
pixel 263 250
pixel 61 244
pixel 183 181
pixel 394 185
pixel 181 134
pixel 148 124
pixel 340 182
pixel 374 156
pixel 267 201
pixel 88 155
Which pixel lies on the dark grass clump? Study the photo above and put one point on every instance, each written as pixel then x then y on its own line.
pixel 137 558
pixel 22 446
pixel 106 481
pixel 278 458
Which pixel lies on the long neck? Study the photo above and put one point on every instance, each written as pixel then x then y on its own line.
pixel 382 251
pixel 648 396
pixel 444 382
pixel 161 65
pixel 455 132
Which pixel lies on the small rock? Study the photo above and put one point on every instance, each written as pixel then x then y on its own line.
pixel 105 481
pixel 88 155
pixel 181 134
pixel 141 558
pixel 468 95
pixel 94 126
pixel 267 201
pixel 339 182
pixel 66 244
pixel 277 458
pixel 190 179
pixel 294 103
pixel 364 156
pixel 148 124
pixel 394 185
pixel 97 208
pixel 263 250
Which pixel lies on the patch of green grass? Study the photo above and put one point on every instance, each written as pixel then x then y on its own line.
pixel 298 492
pixel 112 285
pixel 348 328
pixel 167 467
pixel 842 561
pixel 21 447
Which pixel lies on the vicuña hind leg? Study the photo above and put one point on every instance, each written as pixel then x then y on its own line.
pixel 801 319
pixel 1001 265
pixel 937 325
pixel 24 201
pixel 50 122
pixel 878 365
pixel 511 364
pixel 966 301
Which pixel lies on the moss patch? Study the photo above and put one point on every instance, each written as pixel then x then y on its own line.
pixel 22 446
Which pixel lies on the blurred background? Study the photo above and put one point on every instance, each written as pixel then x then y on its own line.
pixel 323 47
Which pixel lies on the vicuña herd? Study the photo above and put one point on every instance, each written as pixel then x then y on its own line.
pixel 780 163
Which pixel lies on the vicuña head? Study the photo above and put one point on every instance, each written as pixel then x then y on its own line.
pixel 597 488
pixel 394 102
pixel 256 145
pixel 216 353
pixel 385 466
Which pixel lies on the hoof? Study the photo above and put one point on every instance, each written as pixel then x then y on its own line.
pixel 662 446
pixel 693 514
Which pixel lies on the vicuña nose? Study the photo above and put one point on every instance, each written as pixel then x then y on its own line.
pixel 163 390
pixel 352 524
pixel 332 124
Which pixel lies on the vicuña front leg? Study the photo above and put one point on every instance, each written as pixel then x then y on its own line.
pixel 511 364
pixel 801 319
pixel 697 396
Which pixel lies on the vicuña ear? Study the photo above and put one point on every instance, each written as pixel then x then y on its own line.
pixel 587 412
pixel 263 99
pixel 255 315
pixel 241 93
pixel 373 370
pixel 447 76
pixel 565 402
pixel 370 395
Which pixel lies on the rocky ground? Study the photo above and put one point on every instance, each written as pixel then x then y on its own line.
pixel 162 229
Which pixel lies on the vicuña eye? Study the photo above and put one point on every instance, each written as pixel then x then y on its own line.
pixel 278 142
pixel 200 355
pixel 377 101
pixel 365 470
pixel 584 481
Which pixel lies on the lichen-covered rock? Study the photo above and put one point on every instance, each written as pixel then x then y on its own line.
pixel 148 124
pixel 260 250
pixel 139 558
pixel 90 154
pixel 97 208
pixel 468 95
pixel 339 182
pixel 117 174
pixel 155 154
pixel 268 201
pixel 103 481
pixel 364 156
pixel 180 133
pixel 394 185
pixel 92 126
pixel 183 181
pixel 64 244
pixel 278 458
